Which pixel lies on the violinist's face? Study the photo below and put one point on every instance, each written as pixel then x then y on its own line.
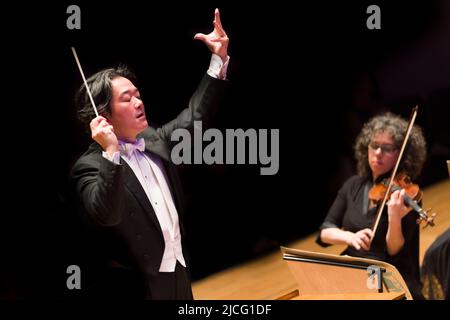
pixel 127 110
pixel 382 153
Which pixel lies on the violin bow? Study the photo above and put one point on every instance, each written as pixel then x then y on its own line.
pixel 84 79
pixel 394 171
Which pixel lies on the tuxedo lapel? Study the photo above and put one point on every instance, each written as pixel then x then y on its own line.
pixel 134 186
pixel 155 145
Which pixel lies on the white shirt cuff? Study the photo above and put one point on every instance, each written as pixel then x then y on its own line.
pixel 218 69
pixel 114 158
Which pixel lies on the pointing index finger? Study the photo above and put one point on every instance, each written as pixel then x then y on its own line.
pixel 218 22
pixel 217 16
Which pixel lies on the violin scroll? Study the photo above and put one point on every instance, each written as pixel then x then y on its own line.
pixel 428 219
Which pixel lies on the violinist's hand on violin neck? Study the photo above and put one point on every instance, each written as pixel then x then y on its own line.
pixel 396 205
pixel 359 240
pixel 103 133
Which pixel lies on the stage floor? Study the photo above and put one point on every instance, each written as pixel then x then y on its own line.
pixel 270 278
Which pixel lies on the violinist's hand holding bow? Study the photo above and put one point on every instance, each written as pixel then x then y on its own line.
pixel 360 239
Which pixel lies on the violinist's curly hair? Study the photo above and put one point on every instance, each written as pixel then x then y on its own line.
pixel 101 89
pixel 415 152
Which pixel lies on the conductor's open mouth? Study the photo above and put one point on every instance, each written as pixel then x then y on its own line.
pixel 140 115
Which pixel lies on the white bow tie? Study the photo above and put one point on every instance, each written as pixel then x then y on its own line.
pixel 128 148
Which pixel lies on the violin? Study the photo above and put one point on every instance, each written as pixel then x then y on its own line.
pixel 412 196
pixel 401 181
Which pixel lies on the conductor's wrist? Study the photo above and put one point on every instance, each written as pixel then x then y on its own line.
pixel 111 149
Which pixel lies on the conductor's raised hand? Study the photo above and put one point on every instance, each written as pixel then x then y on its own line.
pixel 103 134
pixel 217 41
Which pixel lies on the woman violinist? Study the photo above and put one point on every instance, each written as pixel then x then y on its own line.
pixel 352 215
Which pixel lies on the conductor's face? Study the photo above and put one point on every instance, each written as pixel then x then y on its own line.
pixel 127 110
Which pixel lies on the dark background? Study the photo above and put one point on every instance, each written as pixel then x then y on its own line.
pixel 311 69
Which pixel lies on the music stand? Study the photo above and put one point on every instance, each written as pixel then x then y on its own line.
pixel 323 276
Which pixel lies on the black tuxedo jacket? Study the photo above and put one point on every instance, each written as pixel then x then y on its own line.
pixel 124 229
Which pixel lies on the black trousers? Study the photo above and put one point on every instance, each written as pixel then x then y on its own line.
pixel 170 285
pixel 123 284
